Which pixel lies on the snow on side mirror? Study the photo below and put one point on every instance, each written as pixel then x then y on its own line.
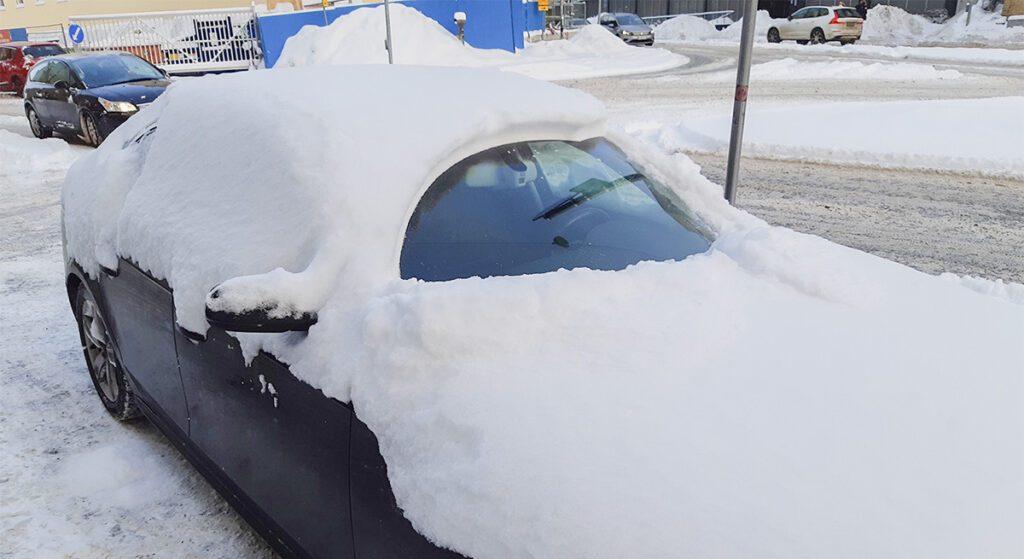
pixel 460 17
pixel 240 306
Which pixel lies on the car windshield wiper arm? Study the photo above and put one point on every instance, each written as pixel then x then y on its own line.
pixel 586 190
pixel 134 80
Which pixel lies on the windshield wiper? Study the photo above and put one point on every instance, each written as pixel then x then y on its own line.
pixel 134 80
pixel 586 190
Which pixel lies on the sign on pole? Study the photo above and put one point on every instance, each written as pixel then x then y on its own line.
pixel 76 33
pixel 542 5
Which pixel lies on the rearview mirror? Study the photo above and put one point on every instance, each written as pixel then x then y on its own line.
pixel 790 18
pixel 259 320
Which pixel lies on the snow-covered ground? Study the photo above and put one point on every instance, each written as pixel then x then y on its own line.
pixel 975 136
pixel 355 39
pixel 889 32
pixel 75 483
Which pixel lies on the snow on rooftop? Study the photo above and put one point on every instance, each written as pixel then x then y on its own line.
pixel 358 38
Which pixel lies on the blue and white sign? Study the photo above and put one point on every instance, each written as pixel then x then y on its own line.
pixel 76 33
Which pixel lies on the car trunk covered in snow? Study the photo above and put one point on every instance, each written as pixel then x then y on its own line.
pixel 777 396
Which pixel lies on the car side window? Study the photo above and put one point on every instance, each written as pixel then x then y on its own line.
pixel 39 71
pixel 821 12
pixel 6 54
pixel 59 72
pixel 537 207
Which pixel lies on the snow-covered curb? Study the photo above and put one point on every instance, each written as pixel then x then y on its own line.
pixel 977 136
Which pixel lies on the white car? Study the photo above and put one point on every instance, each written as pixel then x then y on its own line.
pixel 546 338
pixel 818 24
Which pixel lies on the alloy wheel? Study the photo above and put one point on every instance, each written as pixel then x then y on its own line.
pixel 101 359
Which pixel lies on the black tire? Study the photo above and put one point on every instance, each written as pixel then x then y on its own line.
pixel 817 36
pixel 38 130
pixel 90 130
pixel 801 42
pixel 104 368
pixel 19 88
pixel 850 42
pixel 773 36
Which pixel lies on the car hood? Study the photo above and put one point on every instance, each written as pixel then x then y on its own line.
pixel 134 92
pixel 635 28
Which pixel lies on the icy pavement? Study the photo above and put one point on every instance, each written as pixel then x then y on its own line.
pixel 74 482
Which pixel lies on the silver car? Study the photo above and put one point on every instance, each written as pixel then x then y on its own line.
pixel 628 27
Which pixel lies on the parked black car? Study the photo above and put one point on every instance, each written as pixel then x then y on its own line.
pixel 628 27
pixel 89 95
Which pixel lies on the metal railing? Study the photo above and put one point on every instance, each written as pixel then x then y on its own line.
pixel 710 16
pixel 180 42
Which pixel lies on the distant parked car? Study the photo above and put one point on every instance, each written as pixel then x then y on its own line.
pixel 16 59
pixel 628 27
pixel 818 24
pixel 89 95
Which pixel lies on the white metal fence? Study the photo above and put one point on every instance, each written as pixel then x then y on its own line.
pixel 180 41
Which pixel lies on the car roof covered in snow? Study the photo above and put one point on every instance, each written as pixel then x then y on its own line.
pixel 313 167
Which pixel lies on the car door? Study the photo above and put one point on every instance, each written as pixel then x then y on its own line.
pixel 63 111
pixel 790 29
pixel 141 313
pixel 39 93
pixel 819 18
pixel 6 56
pixel 274 439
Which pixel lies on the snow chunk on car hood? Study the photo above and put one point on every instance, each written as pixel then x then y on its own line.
pixel 314 170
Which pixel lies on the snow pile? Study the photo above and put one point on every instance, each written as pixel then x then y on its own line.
pixel 762 23
pixel 685 28
pixel 787 69
pixel 973 142
pixel 22 156
pixel 109 196
pixel 816 400
pixel 357 38
pixel 889 25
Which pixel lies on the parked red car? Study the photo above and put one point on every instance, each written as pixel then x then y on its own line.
pixel 17 58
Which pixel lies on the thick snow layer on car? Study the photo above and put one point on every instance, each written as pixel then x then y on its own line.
pixel 786 69
pixel 889 25
pixel 315 181
pixel 813 399
pixel 357 38
pixel 796 133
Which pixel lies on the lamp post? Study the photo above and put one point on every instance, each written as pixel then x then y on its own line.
pixel 387 25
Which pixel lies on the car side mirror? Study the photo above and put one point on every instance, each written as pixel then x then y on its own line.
pixel 61 85
pixel 790 18
pixel 260 320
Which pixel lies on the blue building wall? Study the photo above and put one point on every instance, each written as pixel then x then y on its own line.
pixel 490 24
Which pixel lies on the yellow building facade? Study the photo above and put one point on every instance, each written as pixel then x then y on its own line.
pixel 34 13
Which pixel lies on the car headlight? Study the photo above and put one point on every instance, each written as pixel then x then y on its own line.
pixel 626 33
pixel 118 106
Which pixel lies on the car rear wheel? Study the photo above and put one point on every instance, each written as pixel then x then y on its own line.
pixel 38 130
pixel 817 36
pixel 90 130
pixel 773 36
pixel 107 375
pixel 848 42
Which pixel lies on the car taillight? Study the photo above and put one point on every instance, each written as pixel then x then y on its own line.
pixel 835 20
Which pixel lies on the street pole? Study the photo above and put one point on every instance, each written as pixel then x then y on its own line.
pixel 739 107
pixel 387 24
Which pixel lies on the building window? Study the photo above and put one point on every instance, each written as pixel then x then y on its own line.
pixel 20 4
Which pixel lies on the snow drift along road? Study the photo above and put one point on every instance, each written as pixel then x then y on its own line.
pixel 357 38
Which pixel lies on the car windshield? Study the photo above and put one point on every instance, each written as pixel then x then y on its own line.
pixel 629 19
pixel 542 206
pixel 847 12
pixel 108 70
pixel 42 50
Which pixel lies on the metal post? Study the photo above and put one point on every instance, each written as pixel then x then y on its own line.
pixel 63 37
pixel 739 107
pixel 561 19
pixel 968 14
pixel 387 24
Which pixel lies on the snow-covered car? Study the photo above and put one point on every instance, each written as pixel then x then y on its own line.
pixel 464 322
pixel 819 24
pixel 628 27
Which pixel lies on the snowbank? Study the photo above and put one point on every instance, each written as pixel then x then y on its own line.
pixel 889 25
pixel 685 28
pixel 23 156
pixel 788 69
pixel 357 38
pixel 971 142
pixel 810 398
